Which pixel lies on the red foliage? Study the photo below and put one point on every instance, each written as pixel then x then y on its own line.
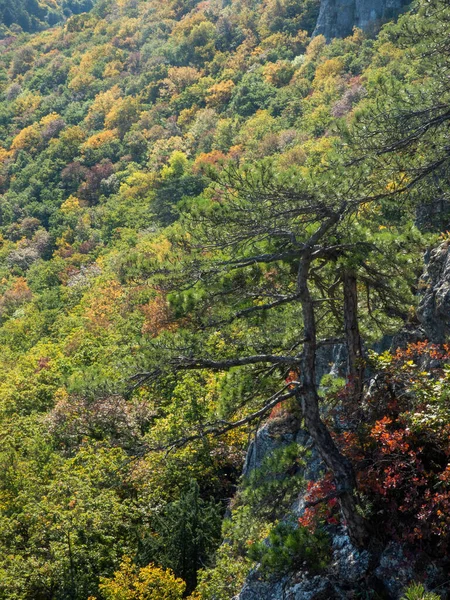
pixel 403 470
pixel 326 510
pixel 283 408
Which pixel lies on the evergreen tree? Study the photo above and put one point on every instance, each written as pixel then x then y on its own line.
pixel 184 535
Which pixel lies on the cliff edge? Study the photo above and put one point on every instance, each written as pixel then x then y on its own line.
pixel 337 18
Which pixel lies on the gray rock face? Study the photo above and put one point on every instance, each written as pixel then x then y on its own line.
pixel 350 575
pixel 349 564
pixel 434 308
pixel 338 17
pixel 347 572
pixel 351 572
pixel 395 569
pixel 279 433
pixel 275 434
pixel 314 588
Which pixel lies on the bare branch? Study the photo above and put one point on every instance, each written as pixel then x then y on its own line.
pixel 216 430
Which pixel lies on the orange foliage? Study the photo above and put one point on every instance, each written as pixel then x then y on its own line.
pixel 99 139
pixel 157 317
pixel 220 93
pixel 18 294
pixel 204 161
pixel 104 307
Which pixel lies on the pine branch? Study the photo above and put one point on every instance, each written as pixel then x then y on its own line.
pixel 219 429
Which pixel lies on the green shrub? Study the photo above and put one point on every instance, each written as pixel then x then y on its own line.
pixel 416 591
pixel 272 488
pixel 289 547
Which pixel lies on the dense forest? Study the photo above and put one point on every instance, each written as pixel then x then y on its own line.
pixel 211 222
pixel 34 15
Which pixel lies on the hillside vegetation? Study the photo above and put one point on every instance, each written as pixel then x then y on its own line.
pixel 195 197
pixel 34 15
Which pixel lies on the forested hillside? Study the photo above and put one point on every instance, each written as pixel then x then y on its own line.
pixel 34 15
pixel 199 204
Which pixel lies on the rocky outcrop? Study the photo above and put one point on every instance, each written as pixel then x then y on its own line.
pixel 351 573
pixel 434 308
pixel 276 433
pixel 387 571
pixel 337 18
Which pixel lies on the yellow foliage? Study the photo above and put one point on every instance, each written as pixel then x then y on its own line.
pixel 258 126
pixel 293 157
pixel 99 139
pixel 387 52
pixel 220 93
pixel 123 114
pixel 71 205
pixel 32 380
pixel 187 115
pixel 72 136
pixel 61 395
pixel 27 104
pixel 113 69
pixel 4 155
pixel 128 27
pixel 164 148
pixel 158 248
pixel 188 25
pixel 330 68
pixel 27 139
pixel 179 78
pixel 30 137
pixel 295 43
pixel 177 165
pixel 316 46
pixel 104 306
pixel 150 583
pixel 81 82
pixel 45 121
pixel 138 185
pixel 103 103
pixel 396 184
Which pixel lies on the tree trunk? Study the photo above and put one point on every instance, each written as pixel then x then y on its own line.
pixel 352 335
pixel 339 465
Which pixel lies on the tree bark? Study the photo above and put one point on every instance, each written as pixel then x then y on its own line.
pixel 339 465
pixel 353 338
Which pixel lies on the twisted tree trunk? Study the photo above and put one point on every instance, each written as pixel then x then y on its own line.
pixel 353 338
pixel 339 465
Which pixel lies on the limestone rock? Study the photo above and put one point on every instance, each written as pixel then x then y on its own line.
pixel 349 564
pixel 434 308
pixel 337 18
pixel 395 570
pixel 316 588
pixel 257 589
pixel 276 433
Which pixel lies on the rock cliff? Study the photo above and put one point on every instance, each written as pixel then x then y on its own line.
pixel 351 573
pixel 434 308
pixel 386 572
pixel 337 18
